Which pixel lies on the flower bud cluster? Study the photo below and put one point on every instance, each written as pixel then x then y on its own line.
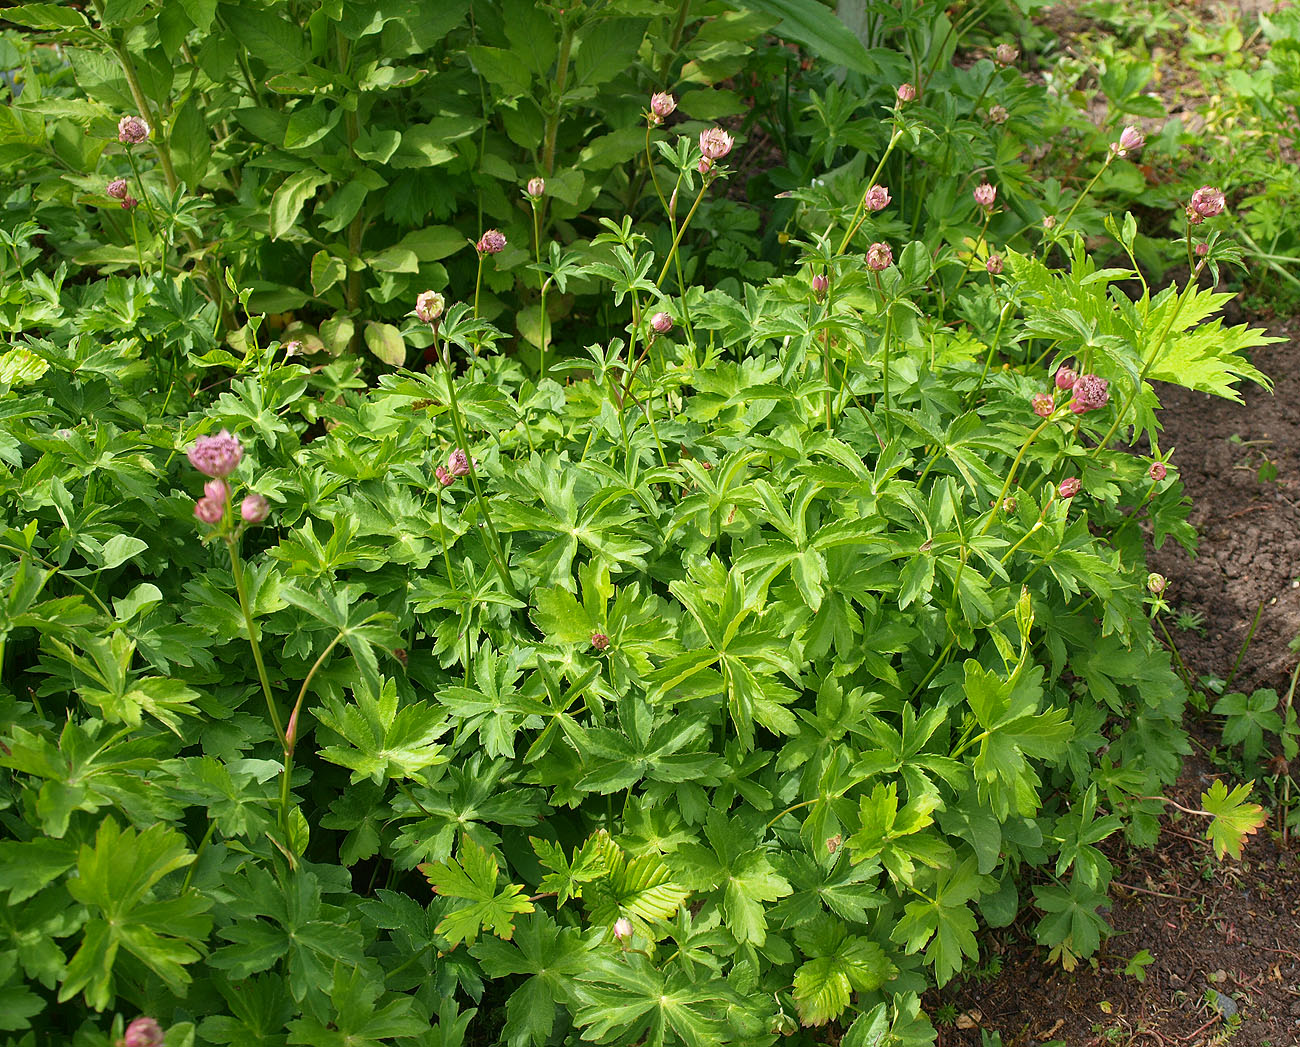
pixel 457 466
pixel 217 457
pixel 1206 202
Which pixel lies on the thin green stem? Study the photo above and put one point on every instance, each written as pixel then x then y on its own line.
pixel 1087 189
pixel 1011 473
pixel 241 589
pixel 859 216
pixel 682 232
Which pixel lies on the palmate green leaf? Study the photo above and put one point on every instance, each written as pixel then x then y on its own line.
pixel 627 1000
pixel 565 879
pixel 942 918
pixel 1233 817
pixel 116 879
pixel 641 889
pixel 356 1020
pixel 846 888
pixel 1072 925
pixel 385 738
pixel 474 878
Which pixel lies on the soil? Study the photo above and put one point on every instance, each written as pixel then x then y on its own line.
pixel 1232 927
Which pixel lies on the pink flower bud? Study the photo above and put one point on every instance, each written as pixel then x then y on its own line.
pixel 985 195
pixel 536 187
pixel 662 104
pixel 1157 471
pixel 998 114
pixel 291 730
pixel 704 166
pixel 622 928
pixel 1006 54
pixel 662 323
pixel 129 202
pixel 1065 378
pixel 131 130
pixel 906 93
pixel 1090 393
pixel 216 455
pixel 292 348
pixel 254 509
pixel 209 510
pixel 994 265
pixel 1131 139
pixel 599 641
pixel 491 242
pixel 143 1032
pixel 1043 405
pixel 1207 201
pixel 715 143
pixel 1069 488
pixel 216 490
pixel 117 189
pixel 1156 583
pixel 879 257
pixel 458 462
pixel 819 286
pixel 1202 250
pixel 445 478
pixel 429 306
pixel 877 198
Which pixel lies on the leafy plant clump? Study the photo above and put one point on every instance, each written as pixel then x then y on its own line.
pixel 711 681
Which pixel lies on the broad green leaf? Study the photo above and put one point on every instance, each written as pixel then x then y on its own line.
pixel 474 878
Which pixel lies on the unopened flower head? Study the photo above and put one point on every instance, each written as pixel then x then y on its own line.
pixel 1049 222
pixel 254 508
pixel 1010 505
pixel 217 455
pixel 429 306
pixel 879 257
pixel 1069 488
pixel 1207 201
pixel 661 322
pixel 994 264
pixel 132 130
pixel 662 105
pixel 1202 250
pixel 216 490
pixel 1090 393
pixel 715 143
pixel 491 242
pixel 1065 378
pixel 599 641
pixel 1131 139
pixel 209 510
pixel 458 462
pixel 1158 471
pixel 1156 583
pixel 536 188
pixel 1006 54
pixel 877 198
pixel 820 285
pixel 1043 405
pixel 292 348
pixel 704 166
pixel 622 928
pixel 143 1032
pixel 445 478
pixel 117 189
pixel 129 202
pixel 998 114
pixel 906 93
pixel 985 195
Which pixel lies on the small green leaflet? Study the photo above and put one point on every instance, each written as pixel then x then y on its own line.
pixel 474 878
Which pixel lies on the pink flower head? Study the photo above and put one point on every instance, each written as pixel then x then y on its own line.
pixel 715 143
pixel 985 195
pixel 458 462
pixel 1049 222
pixel 293 347
pixel 998 114
pixel 704 166
pixel 536 187
pixel 491 242
pixel 1202 250
pixel 906 93
pixel 879 257
pixel 820 285
pixel 209 510
pixel 1006 54
pixel 216 490
pixel 1065 378
pixel 1157 471
pixel 1207 201
pixel 254 508
pixel 662 104
pixel 622 928
pixel 994 265
pixel 131 130
pixel 216 455
pixel 117 189
pixel 143 1032
pixel 1043 405
pixel 1090 393
pixel 599 641
pixel 1069 488
pixel 1156 583
pixel 662 323
pixel 128 202
pixel 445 478
pixel 429 306
pixel 1131 139
pixel 877 198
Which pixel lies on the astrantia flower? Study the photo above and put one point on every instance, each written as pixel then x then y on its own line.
pixel 1202 250
pixel 1156 583
pixel 1043 405
pixel 622 928
pixel 216 490
pixel 1090 393
pixel 491 242
pixel 1065 378
pixel 117 189
pixel 128 202
pixel 599 641
pixel 216 455
pixel 998 114
pixel 458 462
pixel 661 322
pixel 879 257
pixel 143 1032
pixel 877 198
pixel 906 93
pixel 429 306
pixel 985 195
pixel 131 130
pixel 254 508
pixel 1069 488
pixel 715 143
pixel 536 187
pixel 209 510
pixel 1157 471
pixel 1207 201
pixel 445 478
pixel 819 286
pixel 662 104
pixel 1006 54
pixel 994 265
pixel 1131 139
